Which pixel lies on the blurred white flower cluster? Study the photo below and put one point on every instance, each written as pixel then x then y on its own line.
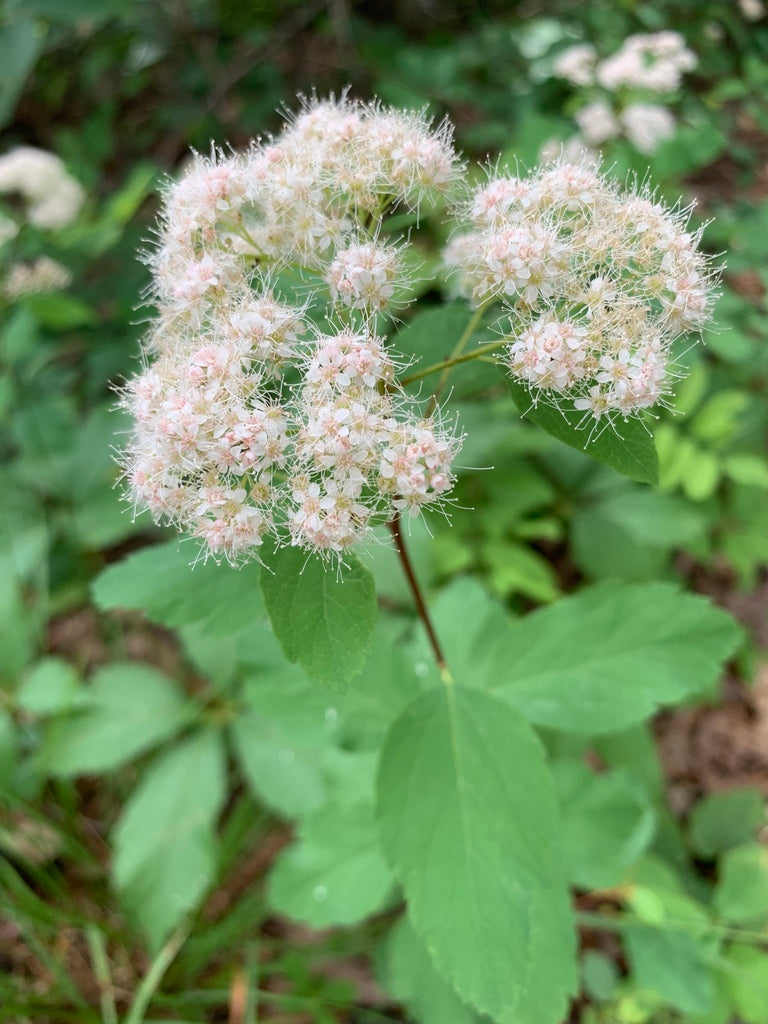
pixel 597 284
pixel 37 277
pixel 254 420
pixel 50 199
pixel 620 91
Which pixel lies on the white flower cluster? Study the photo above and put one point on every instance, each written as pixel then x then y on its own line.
pixel 645 125
pixel 577 64
pixel 655 62
pixel 752 10
pixel 39 277
pixel 252 421
pixel 644 66
pixel 598 283
pixel 53 197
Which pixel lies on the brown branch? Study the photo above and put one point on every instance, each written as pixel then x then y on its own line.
pixel 418 597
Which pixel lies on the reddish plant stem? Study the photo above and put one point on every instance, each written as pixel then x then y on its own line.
pixel 418 597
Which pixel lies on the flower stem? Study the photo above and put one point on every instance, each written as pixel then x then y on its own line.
pixel 447 364
pixel 459 347
pixel 418 597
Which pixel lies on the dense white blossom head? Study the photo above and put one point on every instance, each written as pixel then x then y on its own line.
pixel 252 421
pixel 598 283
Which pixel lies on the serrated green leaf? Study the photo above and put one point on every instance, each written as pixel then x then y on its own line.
pixel 164 843
pixel 323 619
pixel 723 820
pixel 469 823
pixel 127 710
pixel 160 581
pixel 609 656
pixel 334 874
pixel 626 447
pixel 409 975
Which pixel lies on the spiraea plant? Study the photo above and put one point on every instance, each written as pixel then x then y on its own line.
pixel 259 417
pixel 287 410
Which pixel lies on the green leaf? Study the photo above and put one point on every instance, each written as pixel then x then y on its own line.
pixel 599 974
pixel 101 519
pixel 517 569
pixel 649 517
pixel 164 843
pixel 609 656
pixel 745 976
pixel 278 739
pixel 607 823
pixel 468 622
pixel 124 203
pixel 61 312
pixel 674 964
pixel 723 820
pixel 409 976
pixel 323 619
pixel 386 685
pixel 52 685
pixel 626 447
pixel 747 469
pixel 20 45
pixel 627 532
pixel 741 895
pixel 469 823
pixel 19 628
pixel 127 710
pixel 160 582
pixel 334 874
pixel 431 336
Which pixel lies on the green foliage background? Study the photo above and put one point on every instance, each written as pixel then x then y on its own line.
pixel 194 783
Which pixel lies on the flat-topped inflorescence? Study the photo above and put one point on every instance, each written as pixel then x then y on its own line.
pixel 252 421
pixel 597 282
pixel 261 417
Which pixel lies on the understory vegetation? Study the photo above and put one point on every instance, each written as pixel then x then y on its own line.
pixel 439 335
